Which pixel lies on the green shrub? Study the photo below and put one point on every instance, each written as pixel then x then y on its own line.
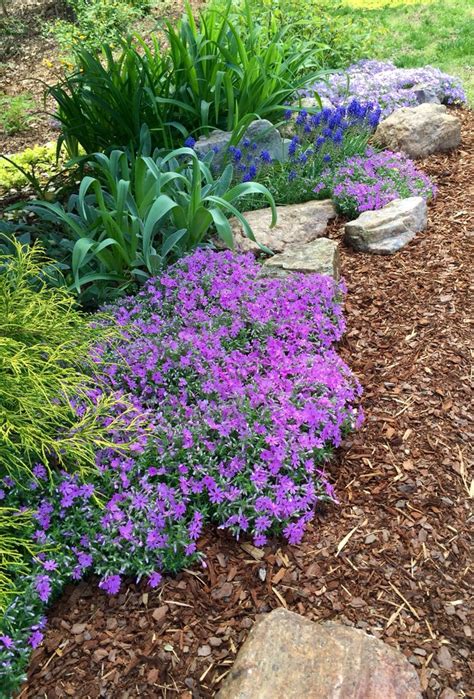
pixel 129 220
pixel 342 36
pixel 15 112
pixel 16 549
pixel 96 22
pixel 215 75
pixel 46 374
pixel 39 166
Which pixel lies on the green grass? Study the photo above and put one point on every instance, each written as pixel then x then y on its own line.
pixel 416 33
pixel 15 112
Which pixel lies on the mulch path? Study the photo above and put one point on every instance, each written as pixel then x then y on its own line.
pixel 392 558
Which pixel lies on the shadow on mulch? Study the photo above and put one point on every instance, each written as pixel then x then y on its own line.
pixel 403 487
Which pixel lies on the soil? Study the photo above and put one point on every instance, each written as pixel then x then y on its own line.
pixel 30 60
pixel 391 558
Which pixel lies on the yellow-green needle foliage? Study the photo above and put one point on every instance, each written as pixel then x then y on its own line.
pixel 47 413
pixel 16 549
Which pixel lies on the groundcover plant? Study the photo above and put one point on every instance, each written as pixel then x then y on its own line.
pixel 388 86
pixel 238 379
pixel 370 181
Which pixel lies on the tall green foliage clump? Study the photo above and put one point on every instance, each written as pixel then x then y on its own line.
pixel 339 35
pixel 215 72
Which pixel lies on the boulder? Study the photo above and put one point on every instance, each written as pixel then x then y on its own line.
pixel 319 257
pixel 289 657
pixel 425 94
pixel 314 104
pixel 260 131
pixel 387 230
pixel 296 224
pixel 420 131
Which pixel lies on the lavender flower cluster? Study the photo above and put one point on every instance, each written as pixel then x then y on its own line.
pixel 388 86
pixel 368 182
pixel 237 380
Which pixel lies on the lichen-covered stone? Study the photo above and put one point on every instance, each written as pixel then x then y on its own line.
pixel 289 657
pixel 297 224
pixel 420 131
pixel 318 257
pixel 389 229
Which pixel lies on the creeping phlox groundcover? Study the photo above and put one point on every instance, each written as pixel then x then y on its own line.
pixel 388 86
pixel 236 379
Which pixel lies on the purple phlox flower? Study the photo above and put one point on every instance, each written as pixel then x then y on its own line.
pixel 111 584
pixel 50 565
pixel 39 471
pixel 155 579
pixel 43 587
pixel 35 639
pixel 7 642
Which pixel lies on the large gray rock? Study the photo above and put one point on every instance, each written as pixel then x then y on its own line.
pixel 289 657
pixel 296 224
pixel 387 230
pixel 319 257
pixel 260 131
pixel 425 94
pixel 420 131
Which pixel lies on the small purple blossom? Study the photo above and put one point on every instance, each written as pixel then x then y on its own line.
pixel 43 587
pixel 7 642
pixel 155 579
pixel 111 584
pixel 35 639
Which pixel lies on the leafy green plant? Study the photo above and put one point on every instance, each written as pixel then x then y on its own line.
pixel 213 74
pixel 128 220
pixel 339 34
pixel 46 374
pixel 96 22
pixel 41 167
pixel 39 161
pixel 15 112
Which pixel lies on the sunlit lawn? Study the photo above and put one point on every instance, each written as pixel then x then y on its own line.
pixel 425 32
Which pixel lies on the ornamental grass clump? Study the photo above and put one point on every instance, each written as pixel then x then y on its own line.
pixel 388 86
pixel 244 397
pixel 368 182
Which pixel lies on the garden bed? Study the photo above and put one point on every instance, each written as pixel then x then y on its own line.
pixel 391 558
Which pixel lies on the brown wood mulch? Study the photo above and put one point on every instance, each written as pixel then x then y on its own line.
pixel 392 558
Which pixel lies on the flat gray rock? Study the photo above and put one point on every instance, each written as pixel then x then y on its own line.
pixel 420 131
pixel 297 224
pixel 318 257
pixel 289 657
pixel 387 230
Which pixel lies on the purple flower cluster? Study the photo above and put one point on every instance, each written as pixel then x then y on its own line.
pixel 329 136
pixel 248 159
pixel 368 182
pixel 388 86
pixel 246 389
pixel 244 398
